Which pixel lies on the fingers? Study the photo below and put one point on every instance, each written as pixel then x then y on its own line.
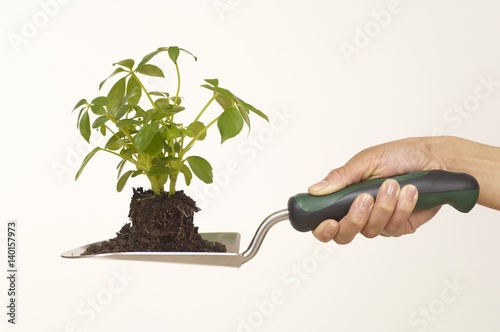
pixel 389 215
pixel 385 205
pixel 326 231
pixel 355 220
pixel 397 224
pixel 344 231
pixel 337 179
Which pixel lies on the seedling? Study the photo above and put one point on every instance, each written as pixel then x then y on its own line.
pixel 143 128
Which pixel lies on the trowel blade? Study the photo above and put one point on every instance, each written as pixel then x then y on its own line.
pixel 230 258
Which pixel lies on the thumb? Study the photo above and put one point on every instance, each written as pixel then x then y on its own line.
pixel 337 179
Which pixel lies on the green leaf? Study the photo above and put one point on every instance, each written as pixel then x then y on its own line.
pixel 98 110
pixel 156 170
pixel 128 63
pixel 172 132
pixel 127 152
pixel 224 102
pixel 140 112
pixel 100 121
pixel 149 115
pixel 86 160
pixel 150 70
pixel 212 81
pixel 160 115
pixel 163 161
pixel 201 168
pixel 133 91
pixel 226 97
pixel 120 167
pixel 156 145
pixel 147 58
pixel 151 55
pixel 159 94
pixel 100 101
pixel 176 109
pixel 187 174
pixel 145 136
pixel 244 114
pixel 224 92
pixel 195 128
pixel 186 51
pixel 126 123
pixel 124 109
pixel 113 142
pixel 80 103
pixel 163 104
pixel 123 180
pixel 229 123
pixel 116 71
pixel 82 110
pixel 251 108
pixel 116 94
pixel 85 126
pixel 173 53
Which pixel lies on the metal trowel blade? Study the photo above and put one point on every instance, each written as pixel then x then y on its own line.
pixel 230 258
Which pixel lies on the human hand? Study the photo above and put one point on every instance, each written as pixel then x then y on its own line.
pixel 392 213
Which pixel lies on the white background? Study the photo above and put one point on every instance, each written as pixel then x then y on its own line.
pixel 284 57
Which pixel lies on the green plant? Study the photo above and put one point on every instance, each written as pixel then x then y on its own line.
pixel 149 136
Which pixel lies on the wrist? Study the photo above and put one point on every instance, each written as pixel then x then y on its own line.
pixel 479 160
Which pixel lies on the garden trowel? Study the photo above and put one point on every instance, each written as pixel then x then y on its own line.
pixel 306 212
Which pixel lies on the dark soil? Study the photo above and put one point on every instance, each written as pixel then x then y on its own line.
pixel 158 223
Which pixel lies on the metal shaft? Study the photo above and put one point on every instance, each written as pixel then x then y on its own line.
pixel 261 232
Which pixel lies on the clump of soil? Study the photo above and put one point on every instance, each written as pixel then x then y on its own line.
pixel 158 223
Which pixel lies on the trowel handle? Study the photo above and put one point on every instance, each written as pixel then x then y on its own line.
pixel 435 188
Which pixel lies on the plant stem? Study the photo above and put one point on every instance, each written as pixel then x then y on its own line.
pixel 173 181
pixel 143 88
pixel 156 184
pixel 193 140
pixel 176 99
pixel 206 106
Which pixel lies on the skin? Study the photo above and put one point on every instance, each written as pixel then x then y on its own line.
pixel 392 213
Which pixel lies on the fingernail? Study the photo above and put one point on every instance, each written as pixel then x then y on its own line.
pixel 328 231
pixel 390 187
pixel 319 186
pixel 365 202
pixel 411 193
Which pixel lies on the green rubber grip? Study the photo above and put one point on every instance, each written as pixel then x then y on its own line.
pixel 435 188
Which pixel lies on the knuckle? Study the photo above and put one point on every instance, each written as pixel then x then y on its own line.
pixel 342 240
pixel 405 209
pixel 393 229
pixel 370 233
pixel 321 238
pixel 410 229
pixel 357 221
pixel 338 171
pixel 386 208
